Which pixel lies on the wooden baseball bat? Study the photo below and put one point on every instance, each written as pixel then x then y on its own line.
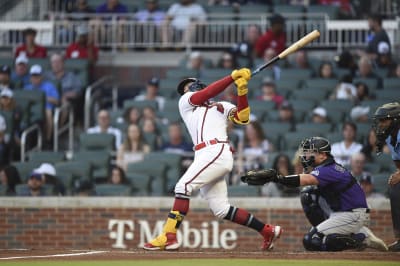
pixel 291 49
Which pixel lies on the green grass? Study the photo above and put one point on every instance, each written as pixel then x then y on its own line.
pixel 199 262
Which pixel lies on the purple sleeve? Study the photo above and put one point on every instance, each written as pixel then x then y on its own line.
pixel 324 175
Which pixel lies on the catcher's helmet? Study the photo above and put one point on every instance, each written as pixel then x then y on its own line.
pixel 310 145
pixel 195 86
pixel 388 111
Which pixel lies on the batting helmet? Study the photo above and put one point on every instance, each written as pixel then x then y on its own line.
pixel 388 111
pixel 310 145
pixel 195 86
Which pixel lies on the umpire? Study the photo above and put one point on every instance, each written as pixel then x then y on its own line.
pixel 387 129
pixel 341 224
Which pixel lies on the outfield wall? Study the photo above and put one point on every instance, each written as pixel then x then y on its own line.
pixel 128 222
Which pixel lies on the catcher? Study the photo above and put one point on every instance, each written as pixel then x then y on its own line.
pixel 387 129
pixel 341 224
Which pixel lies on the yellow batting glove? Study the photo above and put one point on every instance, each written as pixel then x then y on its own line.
pixel 241 73
pixel 241 85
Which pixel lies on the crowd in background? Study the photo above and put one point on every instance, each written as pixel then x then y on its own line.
pixel 139 131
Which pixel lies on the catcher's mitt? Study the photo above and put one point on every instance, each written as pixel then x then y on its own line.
pixel 259 177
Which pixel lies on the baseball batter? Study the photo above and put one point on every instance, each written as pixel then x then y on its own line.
pixel 345 227
pixel 206 122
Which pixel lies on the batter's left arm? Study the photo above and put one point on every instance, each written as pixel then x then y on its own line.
pixel 241 114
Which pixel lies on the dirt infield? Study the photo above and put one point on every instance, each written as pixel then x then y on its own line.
pixel 151 255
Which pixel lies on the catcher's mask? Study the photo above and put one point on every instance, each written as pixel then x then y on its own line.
pixel 388 111
pixel 196 85
pixel 309 146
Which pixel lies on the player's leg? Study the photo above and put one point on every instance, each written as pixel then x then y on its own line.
pixel 340 232
pixel 394 195
pixel 217 197
pixel 213 164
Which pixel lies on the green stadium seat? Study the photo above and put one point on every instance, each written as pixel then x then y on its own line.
pixel 314 94
pixel 74 171
pixel 243 191
pixel 96 142
pixel 157 172
pixel 180 73
pixel 288 9
pixel 296 74
pixel 380 182
pixel 373 168
pixel 260 108
pixel 389 94
pixel 140 104
pixel 372 83
pixel 25 169
pixel 316 129
pixel 331 11
pixel 216 73
pixel 334 137
pixel 343 106
pixel 391 83
pixel 32 103
pixel 140 183
pixel 99 160
pixel 22 189
pixel 46 156
pixel 292 140
pixel 303 105
pixel 3 190
pixel 319 83
pixel 112 190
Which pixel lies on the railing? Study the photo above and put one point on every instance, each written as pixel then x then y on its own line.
pixel 89 97
pixel 24 136
pixel 69 125
pixel 115 34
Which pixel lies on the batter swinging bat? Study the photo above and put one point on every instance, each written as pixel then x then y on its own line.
pixel 291 49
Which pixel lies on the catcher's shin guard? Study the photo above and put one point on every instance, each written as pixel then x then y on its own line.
pixel 167 239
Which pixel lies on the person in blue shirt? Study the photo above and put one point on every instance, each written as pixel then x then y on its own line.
pixel 112 6
pixel 343 214
pixel 387 129
pixel 38 83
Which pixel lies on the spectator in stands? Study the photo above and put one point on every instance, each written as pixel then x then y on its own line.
pixel 357 165
pixel 84 47
pixel 256 146
pixel 346 60
pixel 360 114
pixel 179 19
pixel 268 92
pixel 367 184
pixel 49 176
pixel 38 83
pixel 30 47
pixel 9 177
pixel 118 176
pixel 5 77
pixel 151 93
pixel 196 62
pixel 274 38
pixel 301 60
pixel 345 11
pixel 286 114
pixel 176 142
pixel 85 189
pixel 394 72
pixel 369 148
pixel 35 186
pixel 325 71
pixel 111 6
pixel 8 104
pixel 80 11
pixel 151 133
pixel 297 164
pixel 227 61
pixel 365 70
pixel 104 126
pixel 377 36
pixel 148 112
pixel 152 13
pixel 68 84
pixel 20 76
pixel 384 58
pixel 345 90
pixel 270 53
pixel 284 167
pixel 132 116
pixel 363 93
pixel 246 49
pixel 319 115
pixel 343 150
pixel 133 148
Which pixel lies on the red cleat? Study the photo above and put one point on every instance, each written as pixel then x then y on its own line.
pixel 270 234
pixel 165 241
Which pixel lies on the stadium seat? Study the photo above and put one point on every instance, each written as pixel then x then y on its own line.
pixel 3 190
pixel 372 83
pixel 332 11
pixel 216 73
pixel 96 142
pixel 9 119
pixel 32 103
pixel 140 104
pixel 391 83
pixel 389 94
pixel 23 189
pixel 296 74
pixel 315 95
pixel 25 169
pixel 140 183
pixel 46 156
pixel 373 168
pixel 151 139
pixel 292 140
pixel 380 182
pixel 112 190
pixel 334 137
pixel 319 83
pixel 79 170
pixel 260 108
pixel 343 106
pixel 288 9
pixel 243 191
pixel 99 160
pixel 385 161
pixel 80 67
pixel 180 73
pixel 157 172
pixel 303 105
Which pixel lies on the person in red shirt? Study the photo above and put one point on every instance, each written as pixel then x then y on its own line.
pixel 29 47
pixel 83 47
pixel 274 38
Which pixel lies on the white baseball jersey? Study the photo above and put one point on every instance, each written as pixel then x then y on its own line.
pixel 205 122
pixel 212 162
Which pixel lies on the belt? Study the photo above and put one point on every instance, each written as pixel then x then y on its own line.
pixel 366 210
pixel 208 143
